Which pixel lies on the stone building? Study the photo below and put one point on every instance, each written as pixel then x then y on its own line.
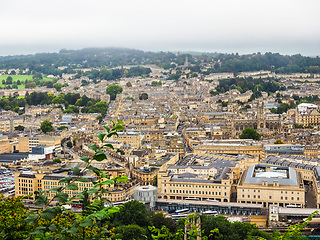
pixel 259 122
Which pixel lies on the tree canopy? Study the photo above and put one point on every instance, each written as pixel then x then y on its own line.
pixel 143 96
pixel 250 133
pixel 46 126
pixel 113 90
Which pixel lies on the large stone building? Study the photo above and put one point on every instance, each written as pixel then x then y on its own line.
pixel 134 139
pixel 307 114
pixel 9 124
pixel 197 177
pixel 26 143
pixel 230 146
pixel 271 185
pixel 260 122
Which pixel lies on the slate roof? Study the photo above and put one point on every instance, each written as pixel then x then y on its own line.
pixel 291 180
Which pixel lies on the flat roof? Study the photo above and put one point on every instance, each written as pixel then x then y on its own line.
pixel 10 157
pixel 291 180
pixel 297 211
pixel 210 203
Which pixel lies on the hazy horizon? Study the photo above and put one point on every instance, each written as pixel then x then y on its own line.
pixel 24 52
pixel 287 27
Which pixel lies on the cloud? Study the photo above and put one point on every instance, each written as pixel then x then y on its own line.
pixel 231 25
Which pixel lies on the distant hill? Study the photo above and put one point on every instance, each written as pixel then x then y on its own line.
pixel 49 63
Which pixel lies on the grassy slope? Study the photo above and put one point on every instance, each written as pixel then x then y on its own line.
pixel 21 78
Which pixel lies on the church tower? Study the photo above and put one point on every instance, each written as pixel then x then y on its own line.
pixel 261 121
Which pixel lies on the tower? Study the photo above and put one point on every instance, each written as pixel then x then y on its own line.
pixel 186 63
pixel 261 121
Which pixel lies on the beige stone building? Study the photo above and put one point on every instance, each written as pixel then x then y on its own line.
pixel 134 139
pixel 26 183
pixel 271 185
pixel 307 114
pixel 232 146
pixel 4 144
pixel 8 125
pixel 26 143
pixel 197 177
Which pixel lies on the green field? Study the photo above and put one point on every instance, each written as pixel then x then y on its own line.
pixel 21 78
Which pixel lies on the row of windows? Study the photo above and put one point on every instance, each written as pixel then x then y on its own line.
pixel 57 183
pixel 282 192
pixel 25 185
pixel 25 180
pixel 26 189
pixel 195 192
pixel 270 197
pixel 179 185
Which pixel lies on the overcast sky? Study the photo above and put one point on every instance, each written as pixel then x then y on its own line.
pixel 243 26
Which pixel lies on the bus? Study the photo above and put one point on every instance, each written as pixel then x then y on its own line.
pixel 212 200
pixel 293 206
pixel 191 198
pixel 178 216
pixel 116 204
pixel 211 213
pixel 67 207
pixel 11 192
pixel 182 211
pixel 76 204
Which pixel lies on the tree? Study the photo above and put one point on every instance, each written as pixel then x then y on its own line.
pixel 159 219
pixel 46 126
pixel 12 216
pixel 156 83
pixel 131 231
pixel 69 144
pixel 62 127
pixel 133 212
pixel 9 80
pixel 19 128
pixel 18 82
pixel 37 76
pixel 278 141
pixel 85 200
pixel 250 133
pixel 57 86
pixel 57 160
pixel 100 118
pixel 30 85
pixel 155 181
pixel 143 96
pixel 113 90
pixel 129 84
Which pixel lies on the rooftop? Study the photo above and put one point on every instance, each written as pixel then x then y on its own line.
pixel 259 173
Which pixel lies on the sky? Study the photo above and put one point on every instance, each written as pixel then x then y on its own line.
pixel 228 26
